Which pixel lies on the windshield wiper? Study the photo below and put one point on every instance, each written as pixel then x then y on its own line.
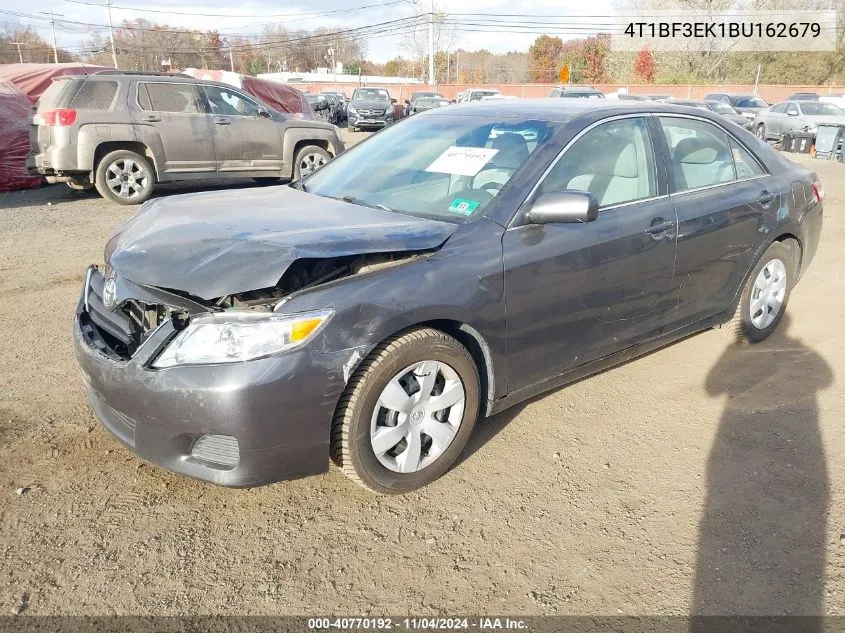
pixel 359 202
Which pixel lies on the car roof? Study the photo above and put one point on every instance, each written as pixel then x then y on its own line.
pixel 550 109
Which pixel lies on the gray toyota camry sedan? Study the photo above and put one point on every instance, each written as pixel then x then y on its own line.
pixel 443 270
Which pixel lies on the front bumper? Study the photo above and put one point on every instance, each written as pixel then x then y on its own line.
pixel 369 122
pixel 278 408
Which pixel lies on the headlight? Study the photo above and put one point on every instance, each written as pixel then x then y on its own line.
pixel 351 110
pixel 231 337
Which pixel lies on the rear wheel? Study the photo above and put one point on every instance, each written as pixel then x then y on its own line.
pixel 308 160
pixel 407 412
pixel 764 296
pixel 125 177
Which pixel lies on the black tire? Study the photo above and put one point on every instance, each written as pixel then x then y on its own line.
pixel 266 180
pixel 302 154
pixel 115 158
pixel 351 447
pixel 761 132
pixel 741 328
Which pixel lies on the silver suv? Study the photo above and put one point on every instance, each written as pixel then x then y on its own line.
pixel 122 132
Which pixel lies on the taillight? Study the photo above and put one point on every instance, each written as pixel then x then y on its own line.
pixel 818 190
pixel 59 118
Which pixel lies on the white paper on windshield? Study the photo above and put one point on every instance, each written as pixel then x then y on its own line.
pixel 462 161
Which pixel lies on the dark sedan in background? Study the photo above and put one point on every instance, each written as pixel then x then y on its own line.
pixel 370 108
pixel 411 104
pixel 746 105
pixel 719 107
pixel 427 103
pixel 446 269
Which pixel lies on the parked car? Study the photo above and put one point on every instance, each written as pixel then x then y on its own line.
pixel 835 99
pixel 657 97
pixel 342 101
pixel 370 108
pixel 803 96
pixel 334 107
pixel 373 311
pixel 320 104
pixel 411 103
pixel 747 105
pixel 626 96
pixel 124 132
pixel 427 103
pixel 476 94
pixel 576 92
pixel 718 107
pixel 795 116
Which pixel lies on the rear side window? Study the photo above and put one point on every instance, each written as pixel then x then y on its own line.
pixel 95 95
pixel 699 151
pixel 167 97
pixel 780 108
pixel 746 165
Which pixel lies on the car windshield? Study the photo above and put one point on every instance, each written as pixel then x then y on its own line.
pixel 721 108
pixel 423 95
pixel 441 167
pixel 477 94
pixel 370 94
pixel 430 102
pixel 816 108
pixel 749 102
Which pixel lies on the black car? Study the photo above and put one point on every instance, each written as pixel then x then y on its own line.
pixel 370 108
pixel 320 104
pixel 444 270
pixel 720 107
pixel 334 107
pixel 746 105
pixel 410 104
pixel 342 100
pixel 427 103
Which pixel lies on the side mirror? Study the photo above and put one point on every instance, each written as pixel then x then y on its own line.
pixel 264 113
pixel 393 101
pixel 564 207
pixel 792 112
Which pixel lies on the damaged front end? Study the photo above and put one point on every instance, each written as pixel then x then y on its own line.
pixel 120 315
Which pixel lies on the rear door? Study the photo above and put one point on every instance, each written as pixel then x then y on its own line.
pixel 247 143
pixel 720 192
pixel 169 117
pixel 579 292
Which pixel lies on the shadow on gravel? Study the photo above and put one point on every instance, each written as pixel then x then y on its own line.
pixel 762 536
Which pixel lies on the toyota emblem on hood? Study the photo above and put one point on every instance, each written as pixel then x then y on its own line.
pixel 110 293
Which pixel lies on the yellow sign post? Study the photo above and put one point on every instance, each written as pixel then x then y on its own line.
pixel 564 74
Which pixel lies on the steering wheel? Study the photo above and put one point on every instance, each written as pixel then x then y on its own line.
pixel 492 187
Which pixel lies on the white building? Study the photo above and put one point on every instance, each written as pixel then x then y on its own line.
pixel 322 75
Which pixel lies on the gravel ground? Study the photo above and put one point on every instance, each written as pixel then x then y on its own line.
pixel 703 475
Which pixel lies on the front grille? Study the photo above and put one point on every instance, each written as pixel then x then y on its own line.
pixel 371 112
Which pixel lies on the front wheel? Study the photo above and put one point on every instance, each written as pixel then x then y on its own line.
pixel 124 177
pixel 764 296
pixel 761 132
pixel 407 412
pixel 308 160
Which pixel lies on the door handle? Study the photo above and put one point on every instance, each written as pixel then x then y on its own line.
pixel 222 122
pixel 658 227
pixel 765 197
pixel 152 118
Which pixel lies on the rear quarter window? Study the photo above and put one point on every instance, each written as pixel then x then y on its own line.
pixel 95 95
pixel 57 94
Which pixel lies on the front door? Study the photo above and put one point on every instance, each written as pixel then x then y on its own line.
pixel 578 292
pixel 247 142
pixel 169 119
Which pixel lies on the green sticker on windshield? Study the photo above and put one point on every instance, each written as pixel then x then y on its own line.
pixel 464 207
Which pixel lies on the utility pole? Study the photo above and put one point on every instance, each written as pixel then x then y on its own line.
pixel 757 81
pixel 431 79
pixel 231 59
pixel 20 55
pixel 111 35
pixel 53 26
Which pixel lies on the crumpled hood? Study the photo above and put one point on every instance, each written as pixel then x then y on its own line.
pixel 218 243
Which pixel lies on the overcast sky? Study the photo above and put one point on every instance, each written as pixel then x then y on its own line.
pixel 250 15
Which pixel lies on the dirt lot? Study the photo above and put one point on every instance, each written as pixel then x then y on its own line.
pixel 703 475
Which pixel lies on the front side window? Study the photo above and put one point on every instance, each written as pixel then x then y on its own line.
pixel 780 108
pixel 224 102
pixel 750 102
pixel 792 109
pixel 169 97
pixel 443 167
pixel 614 161
pixel 699 153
